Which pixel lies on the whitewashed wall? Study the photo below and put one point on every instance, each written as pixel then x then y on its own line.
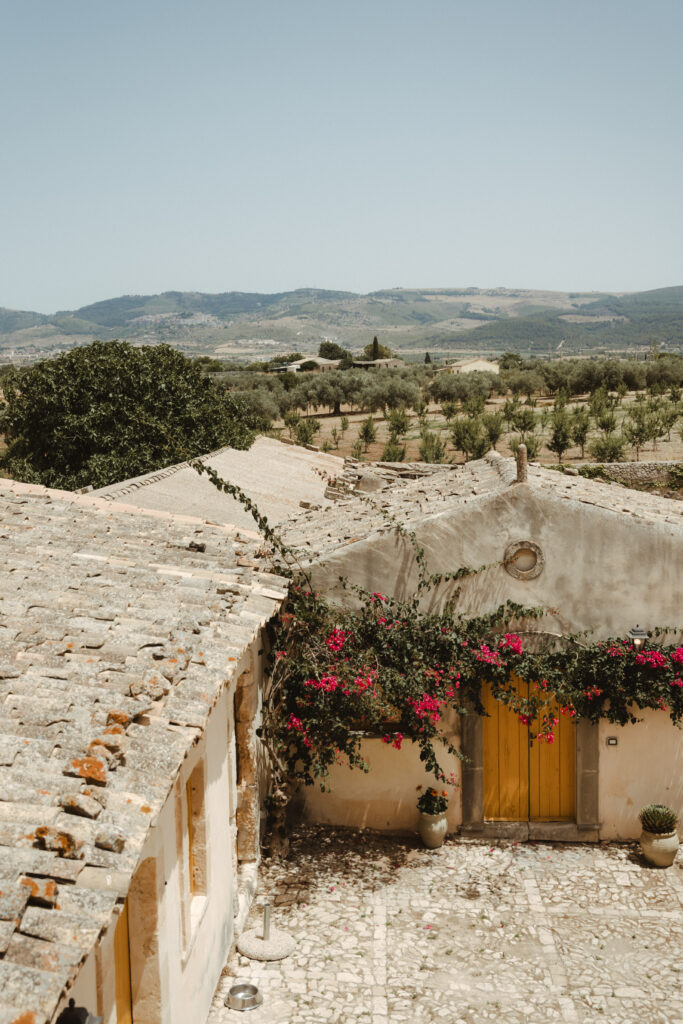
pixel 645 767
pixel 386 797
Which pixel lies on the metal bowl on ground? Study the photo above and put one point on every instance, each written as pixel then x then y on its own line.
pixel 243 996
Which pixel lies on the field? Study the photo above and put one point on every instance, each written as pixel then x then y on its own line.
pixel 434 421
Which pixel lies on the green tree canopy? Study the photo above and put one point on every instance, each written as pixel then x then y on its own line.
pixel 107 411
pixel 376 351
pixel 330 350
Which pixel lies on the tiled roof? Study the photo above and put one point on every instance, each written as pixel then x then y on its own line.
pixel 316 533
pixel 276 476
pixel 118 631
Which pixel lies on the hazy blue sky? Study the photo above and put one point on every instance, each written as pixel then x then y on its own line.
pixel 264 145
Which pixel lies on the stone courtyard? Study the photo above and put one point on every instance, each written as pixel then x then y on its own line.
pixel 390 932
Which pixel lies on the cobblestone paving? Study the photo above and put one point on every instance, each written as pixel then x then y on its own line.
pixel 389 932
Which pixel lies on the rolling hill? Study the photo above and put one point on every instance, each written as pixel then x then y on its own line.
pixel 242 325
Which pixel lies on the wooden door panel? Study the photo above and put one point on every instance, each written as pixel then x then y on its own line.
pixel 124 999
pixel 552 774
pixel 506 762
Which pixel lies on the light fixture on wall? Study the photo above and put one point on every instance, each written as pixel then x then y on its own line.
pixel 638 636
pixel 73 1014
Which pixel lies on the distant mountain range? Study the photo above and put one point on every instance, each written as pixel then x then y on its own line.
pixel 239 325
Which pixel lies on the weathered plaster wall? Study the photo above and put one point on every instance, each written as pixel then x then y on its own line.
pixel 383 799
pixel 192 948
pixel 646 767
pixel 603 570
pixel 85 990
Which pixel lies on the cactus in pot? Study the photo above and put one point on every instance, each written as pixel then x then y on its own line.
pixel 659 840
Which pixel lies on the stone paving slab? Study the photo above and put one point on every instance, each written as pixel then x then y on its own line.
pixel 388 932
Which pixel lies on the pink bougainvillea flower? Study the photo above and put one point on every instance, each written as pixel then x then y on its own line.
pixel 512 643
pixel 336 640
pixel 326 683
pixel 655 659
pixel 487 655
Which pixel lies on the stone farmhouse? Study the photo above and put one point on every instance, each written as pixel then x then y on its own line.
pixel 133 631
pixel 130 784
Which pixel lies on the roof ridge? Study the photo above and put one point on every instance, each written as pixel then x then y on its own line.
pixel 106 506
pixel 126 486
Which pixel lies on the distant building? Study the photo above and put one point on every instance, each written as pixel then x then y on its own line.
pixel 321 365
pixel 376 364
pixel 477 364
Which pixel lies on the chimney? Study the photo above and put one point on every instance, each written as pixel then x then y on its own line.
pixel 521 464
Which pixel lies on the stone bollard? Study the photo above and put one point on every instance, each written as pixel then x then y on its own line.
pixel 521 464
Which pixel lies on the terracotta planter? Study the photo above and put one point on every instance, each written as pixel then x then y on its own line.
pixel 432 829
pixel 659 850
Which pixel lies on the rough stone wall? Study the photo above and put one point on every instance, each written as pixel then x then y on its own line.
pixel 638 472
pixel 247 703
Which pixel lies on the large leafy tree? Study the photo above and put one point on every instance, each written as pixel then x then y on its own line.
pixel 108 412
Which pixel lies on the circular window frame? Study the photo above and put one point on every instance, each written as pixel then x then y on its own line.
pixel 512 550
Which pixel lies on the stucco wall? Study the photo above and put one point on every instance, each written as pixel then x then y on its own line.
pixel 383 799
pixel 645 767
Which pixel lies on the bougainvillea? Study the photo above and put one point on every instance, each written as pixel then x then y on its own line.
pixel 390 670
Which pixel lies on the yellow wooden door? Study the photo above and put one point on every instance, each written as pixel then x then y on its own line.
pixel 124 998
pixel 552 773
pixel 506 761
pixel 524 779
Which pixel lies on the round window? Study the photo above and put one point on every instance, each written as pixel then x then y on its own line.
pixel 523 560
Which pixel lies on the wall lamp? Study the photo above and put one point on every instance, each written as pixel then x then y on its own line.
pixel 638 636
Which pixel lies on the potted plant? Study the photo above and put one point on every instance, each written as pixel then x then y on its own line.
pixel 659 839
pixel 433 826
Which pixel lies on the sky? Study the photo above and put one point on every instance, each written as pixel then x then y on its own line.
pixel 267 145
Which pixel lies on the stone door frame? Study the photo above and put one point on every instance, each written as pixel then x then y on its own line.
pixel 587 824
